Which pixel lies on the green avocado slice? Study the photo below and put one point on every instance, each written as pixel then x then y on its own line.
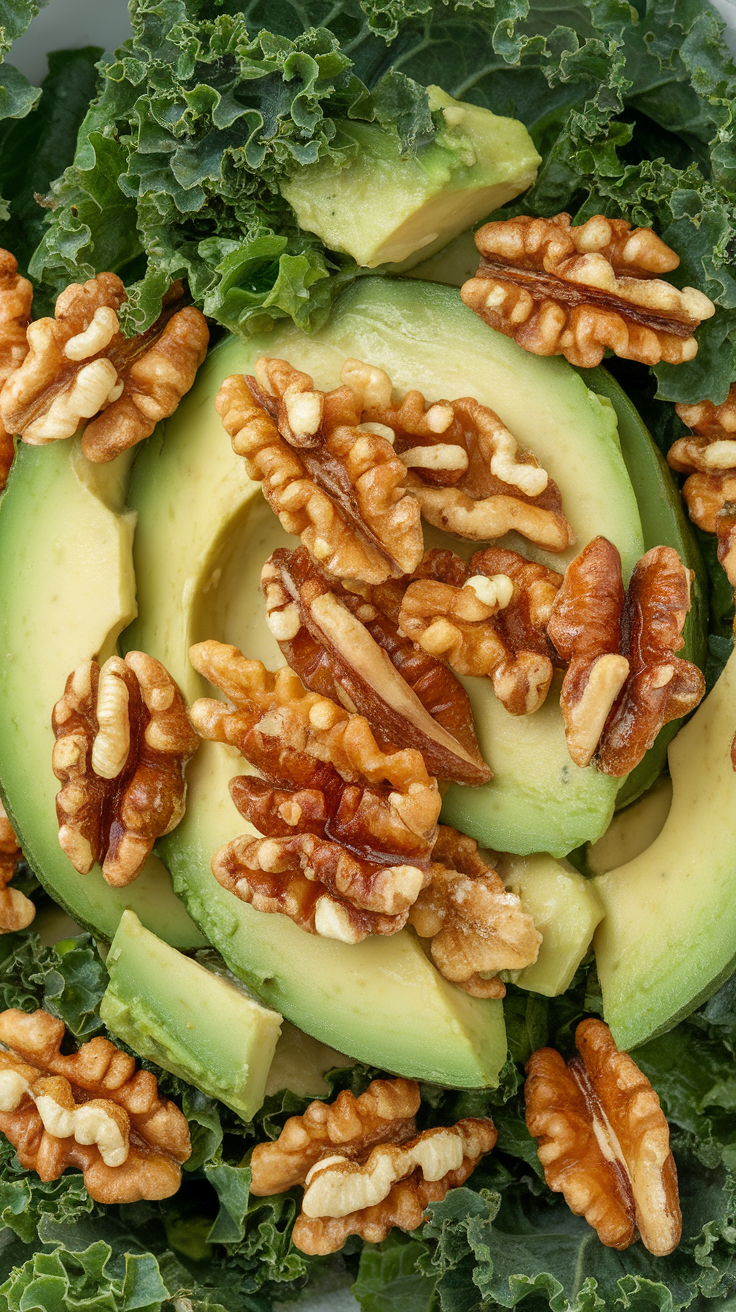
pixel 668 938
pixel 187 1019
pixel 66 590
pixel 385 206
pixel 203 534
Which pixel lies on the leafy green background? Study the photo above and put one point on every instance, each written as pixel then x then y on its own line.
pixel 501 1241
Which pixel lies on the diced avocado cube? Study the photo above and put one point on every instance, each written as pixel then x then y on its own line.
pixel 187 1019
pixel 383 207
pixel 565 910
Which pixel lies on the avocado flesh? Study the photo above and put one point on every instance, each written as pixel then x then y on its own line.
pixel 66 592
pixel 565 910
pixel 632 830
pixel 668 938
pixel 382 207
pixel 189 1021
pixel 198 574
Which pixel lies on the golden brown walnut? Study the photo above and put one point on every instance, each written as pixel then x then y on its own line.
pixel 380 802
pixel 16 910
pixel 466 470
pixel 80 367
pixel 363 1166
pixel 320 885
pixel 660 686
pixel 122 740
pixel 585 626
pixel 709 456
pixel 338 487
pixel 560 289
pixel 347 646
pixel 351 1126
pixel 460 622
pixel 604 1141
pixel 16 295
pixel 726 532
pixel 476 927
pixel 339 1198
pixel 90 1109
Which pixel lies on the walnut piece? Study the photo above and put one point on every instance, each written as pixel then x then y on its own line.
pixel 391 1188
pixel 660 686
pixel 348 826
pixel 90 1109
pixel 585 626
pixel 16 295
pixel 297 738
pixel 559 289
pixel 122 741
pixel 80 366
pixel 709 457
pixel 347 646
pixel 363 1166
pixel 460 621
pixel 16 910
pixel 318 884
pixel 466 471
pixel 476 927
pixel 604 1141
pixel 341 489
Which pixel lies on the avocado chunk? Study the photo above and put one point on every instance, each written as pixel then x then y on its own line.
pixel 66 590
pixel 668 938
pixel 632 830
pixel 565 910
pixel 187 1019
pixel 384 207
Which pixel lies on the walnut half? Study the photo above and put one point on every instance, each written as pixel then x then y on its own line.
pixel 16 295
pixel 363 1167
pixel 80 367
pixel 560 289
pixel 122 740
pixel 604 1141
pixel 90 1109
pixel 16 910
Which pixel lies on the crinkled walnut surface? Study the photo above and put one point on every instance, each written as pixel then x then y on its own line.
pixel 80 367
pixel 585 626
pixel 475 927
pixel 560 289
pixel 123 738
pixel 604 1141
pixel 465 468
pixel 660 686
pixel 709 457
pixel 16 910
pixel 486 622
pixel 348 826
pixel 347 646
pixel 16 295
pixel 90 1109
pixel 338 487
pixel 363 1166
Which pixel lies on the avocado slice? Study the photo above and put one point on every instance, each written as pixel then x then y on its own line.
pixel 565 910
pixel 66 590
pixel 668 938
pixel 632 830
pixel 384 207
pixel 187 1019
pixel 203 533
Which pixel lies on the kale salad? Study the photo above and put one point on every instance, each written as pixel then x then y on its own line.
pixel 295 229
